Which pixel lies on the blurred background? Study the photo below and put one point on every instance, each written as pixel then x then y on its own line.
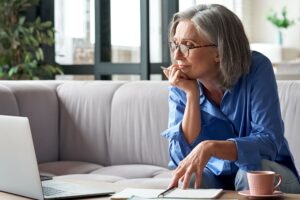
pixel 127 39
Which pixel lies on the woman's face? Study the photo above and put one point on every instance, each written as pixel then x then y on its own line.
pixel 200 63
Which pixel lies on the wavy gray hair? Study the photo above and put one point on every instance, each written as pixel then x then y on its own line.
pixel 224 29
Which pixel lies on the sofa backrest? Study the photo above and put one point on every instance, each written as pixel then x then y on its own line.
pixel 139 115
pixel 38 102
pixel 289 96
pixel 108 122
pixel 85 117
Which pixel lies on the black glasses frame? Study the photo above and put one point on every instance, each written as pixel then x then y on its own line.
pixel 184 49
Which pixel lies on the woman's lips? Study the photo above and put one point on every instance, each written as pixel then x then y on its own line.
pixel 183 66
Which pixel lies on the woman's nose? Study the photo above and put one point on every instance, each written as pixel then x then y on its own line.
pixel 178 55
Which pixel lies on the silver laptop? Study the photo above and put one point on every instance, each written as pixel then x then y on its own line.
pixel 19 172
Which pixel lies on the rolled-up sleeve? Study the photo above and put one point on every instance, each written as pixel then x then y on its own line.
pixel 265 136
pixel 179 148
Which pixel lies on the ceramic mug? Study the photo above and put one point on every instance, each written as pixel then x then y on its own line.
pixel 262 182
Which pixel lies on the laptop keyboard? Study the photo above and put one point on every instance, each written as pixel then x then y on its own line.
pixel 49 191
pixel 45 178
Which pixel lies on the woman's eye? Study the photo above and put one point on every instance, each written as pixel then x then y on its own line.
pixel 189 44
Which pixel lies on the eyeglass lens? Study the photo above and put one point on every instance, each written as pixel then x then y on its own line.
pixel 182 48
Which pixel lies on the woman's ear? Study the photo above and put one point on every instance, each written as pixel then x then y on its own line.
pixel 217 56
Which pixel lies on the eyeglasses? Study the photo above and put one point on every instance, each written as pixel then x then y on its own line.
pixel 184 49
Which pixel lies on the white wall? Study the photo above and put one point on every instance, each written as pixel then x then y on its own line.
pixel 262 31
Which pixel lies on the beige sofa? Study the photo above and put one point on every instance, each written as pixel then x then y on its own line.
pixel 110 131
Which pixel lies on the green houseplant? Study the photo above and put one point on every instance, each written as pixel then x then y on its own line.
pixel 280 22
pixel 21 53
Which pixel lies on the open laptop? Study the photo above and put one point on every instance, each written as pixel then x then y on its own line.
pixel 19 172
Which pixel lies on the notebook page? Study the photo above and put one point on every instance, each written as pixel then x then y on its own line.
pixel 194 193
pixel 175 194
pixel 144 193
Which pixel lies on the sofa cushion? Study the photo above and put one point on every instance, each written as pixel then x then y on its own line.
pixel 139 115
pixel 289 95
pixel 90 178
pixel 165 174
pixel 85 109
pixel 131 171
pixel 38 102
pixel 67 167
pixel 8 102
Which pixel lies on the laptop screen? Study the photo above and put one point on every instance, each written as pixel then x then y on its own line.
pixel 19 172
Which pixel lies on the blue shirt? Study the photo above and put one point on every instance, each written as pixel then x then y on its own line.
pixel 249 114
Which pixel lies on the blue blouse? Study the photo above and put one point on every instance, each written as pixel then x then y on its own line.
pixel 249 114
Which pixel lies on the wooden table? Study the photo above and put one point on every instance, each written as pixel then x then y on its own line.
pixel 119 187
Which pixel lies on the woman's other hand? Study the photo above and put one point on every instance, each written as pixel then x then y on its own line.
pixel 195 162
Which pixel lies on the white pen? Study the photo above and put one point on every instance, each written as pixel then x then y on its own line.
pixel 164 68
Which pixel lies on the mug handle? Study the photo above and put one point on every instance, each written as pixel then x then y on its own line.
pixel 279 181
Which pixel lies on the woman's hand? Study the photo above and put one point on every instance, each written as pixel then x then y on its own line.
pixel 195 162
pixel 177 78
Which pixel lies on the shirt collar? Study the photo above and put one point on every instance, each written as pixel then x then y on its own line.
pixel 201 92
pixel 209 107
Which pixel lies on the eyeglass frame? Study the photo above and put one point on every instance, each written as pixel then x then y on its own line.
pixel 178 46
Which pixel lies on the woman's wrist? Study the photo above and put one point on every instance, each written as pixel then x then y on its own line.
pixel 192 94
pixel 222 149
pixel 192 97
pixel 193 90
pixel 209 145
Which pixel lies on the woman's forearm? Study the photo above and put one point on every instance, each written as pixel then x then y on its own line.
pixel 191 123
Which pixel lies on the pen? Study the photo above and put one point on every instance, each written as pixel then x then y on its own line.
pixel 164 193
pixel 164 68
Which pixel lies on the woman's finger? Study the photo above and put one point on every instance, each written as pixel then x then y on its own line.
pixel 198 178
pixel 181 179
pixel 174 181
pixel 167 72
pixel 178 174
pixel 187 177
pixel 176 78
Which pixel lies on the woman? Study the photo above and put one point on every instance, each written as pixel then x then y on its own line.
pixel 224 117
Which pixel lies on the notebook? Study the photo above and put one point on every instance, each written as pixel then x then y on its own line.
pixel 176 193
pixel 19 170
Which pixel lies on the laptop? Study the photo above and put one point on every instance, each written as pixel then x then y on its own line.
pixel 19 172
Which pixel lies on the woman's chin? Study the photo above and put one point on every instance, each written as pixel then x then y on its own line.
pixel 189 76
pixel 186 71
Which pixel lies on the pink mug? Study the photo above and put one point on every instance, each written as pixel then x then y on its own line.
pixel 262 182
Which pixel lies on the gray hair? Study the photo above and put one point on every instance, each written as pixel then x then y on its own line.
pixel 224 29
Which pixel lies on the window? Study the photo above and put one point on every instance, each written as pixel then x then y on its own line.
pixel 241 8
pixel 230 4
pixel 125 31
pixel 75 31
pixel 86 42
pixel 113 38
pixel 155 31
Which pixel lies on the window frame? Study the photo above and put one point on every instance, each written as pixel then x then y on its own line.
pixel 103 70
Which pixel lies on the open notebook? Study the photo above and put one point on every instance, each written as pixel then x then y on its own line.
pixel 176 193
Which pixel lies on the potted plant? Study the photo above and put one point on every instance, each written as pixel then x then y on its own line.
pixel 21 53
pixel 280 22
